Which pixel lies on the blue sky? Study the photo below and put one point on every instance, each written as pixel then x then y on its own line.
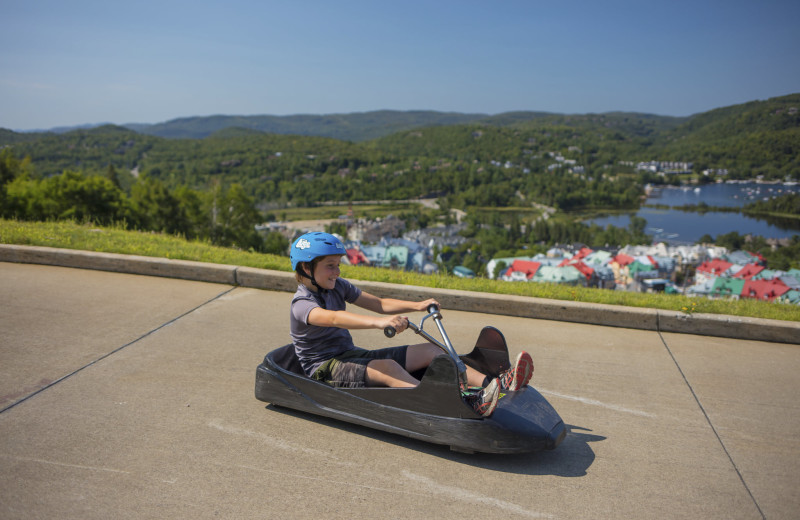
pixel 66 63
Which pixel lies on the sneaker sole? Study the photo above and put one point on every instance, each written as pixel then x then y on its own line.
pixel 523 373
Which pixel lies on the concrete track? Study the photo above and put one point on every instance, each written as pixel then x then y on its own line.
pixel 128 396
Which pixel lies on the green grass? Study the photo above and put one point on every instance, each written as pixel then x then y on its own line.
pixel 87 237
pixel 359 211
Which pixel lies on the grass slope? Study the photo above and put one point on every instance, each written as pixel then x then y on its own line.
pixel 87 237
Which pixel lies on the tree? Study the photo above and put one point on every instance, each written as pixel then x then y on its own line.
pixel 733 241
pixel 233 219
pixel 637 225
pixel 111 174
pixel 155 208
pixel 275 243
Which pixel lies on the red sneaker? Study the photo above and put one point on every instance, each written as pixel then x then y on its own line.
pixel 519 375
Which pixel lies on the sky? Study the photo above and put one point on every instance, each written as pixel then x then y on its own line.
pixel 67 63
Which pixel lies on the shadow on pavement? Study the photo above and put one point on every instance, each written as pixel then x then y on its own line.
pixel 572 458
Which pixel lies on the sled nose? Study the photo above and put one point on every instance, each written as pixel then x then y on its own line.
pixel 556 435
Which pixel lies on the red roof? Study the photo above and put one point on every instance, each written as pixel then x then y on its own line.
pixel 583 253
pixel 715 267
pixel 580 255
pixel 524 266
pixel 356 257
pixel 764 289
pixel 748 271
pixel 584 269
pixel 622 259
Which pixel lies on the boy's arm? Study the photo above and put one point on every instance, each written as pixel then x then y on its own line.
pixel 348 320
pixel 390 305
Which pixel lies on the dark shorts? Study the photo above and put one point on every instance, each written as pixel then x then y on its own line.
pixel 349 369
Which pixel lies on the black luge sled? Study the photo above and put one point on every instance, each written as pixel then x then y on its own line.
pixel 433 411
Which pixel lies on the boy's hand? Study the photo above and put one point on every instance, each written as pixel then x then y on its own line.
pixel 423 306
pixel 398 323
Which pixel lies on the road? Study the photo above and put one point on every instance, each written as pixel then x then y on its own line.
pixel 128 396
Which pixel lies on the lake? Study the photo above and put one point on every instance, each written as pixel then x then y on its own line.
pixel 681 227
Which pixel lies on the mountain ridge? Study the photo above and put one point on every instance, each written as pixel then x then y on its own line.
pixel 354 126
pixel 366 126
pixel 759 138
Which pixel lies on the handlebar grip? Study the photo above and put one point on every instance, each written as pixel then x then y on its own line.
pixel 389 332
pixel 432 308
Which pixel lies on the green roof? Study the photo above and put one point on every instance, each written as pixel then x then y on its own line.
pixel 597 257
pixel 766 274
pixel 792 296
pixel 724 286
pixel 567 274
pixel 398 252
pixel 638 267
pixel 464 272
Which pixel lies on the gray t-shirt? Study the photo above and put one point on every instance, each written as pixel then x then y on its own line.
pixel 315 345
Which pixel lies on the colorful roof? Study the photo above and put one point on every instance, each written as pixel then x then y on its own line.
pixel 748 271
pixel 741 257
pixel 598 258
pixel 583 253
pixel 791 296
pixel 463 272
pixel 397 255
pixel 623 259
pixel 638 267
pixel 715 267
pixel 767 274
pixel 703 287
pixel 764 289
pixel 792 282
pixel 356 257
pixel 566 274
pixel 724 286
pixel 584 269
pixel 524 266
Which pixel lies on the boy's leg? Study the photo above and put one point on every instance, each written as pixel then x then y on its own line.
pixel 420 356
pixel 388 372
pixel 475 378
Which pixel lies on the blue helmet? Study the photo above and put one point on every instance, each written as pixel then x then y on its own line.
pixel 312 245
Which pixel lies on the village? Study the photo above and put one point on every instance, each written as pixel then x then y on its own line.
pixel 700 270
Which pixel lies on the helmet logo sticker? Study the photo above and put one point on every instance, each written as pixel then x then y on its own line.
pixel 303 244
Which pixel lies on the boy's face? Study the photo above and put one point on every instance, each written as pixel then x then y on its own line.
pixel 327 271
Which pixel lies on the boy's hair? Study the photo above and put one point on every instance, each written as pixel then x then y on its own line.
pixel 312 265
pixel 297 276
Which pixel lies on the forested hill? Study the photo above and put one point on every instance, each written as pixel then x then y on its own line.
pixel 572 162
pixel 346 127
pixel 365 126
pixel 760 135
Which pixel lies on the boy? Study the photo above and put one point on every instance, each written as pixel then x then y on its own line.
pixel 319 324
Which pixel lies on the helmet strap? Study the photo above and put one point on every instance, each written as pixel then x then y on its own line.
pixel 310 276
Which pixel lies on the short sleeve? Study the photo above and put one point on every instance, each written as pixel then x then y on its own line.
pixel 350 291
pixel 301 308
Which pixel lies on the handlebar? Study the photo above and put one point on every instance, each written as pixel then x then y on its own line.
pixel 432 310
pixel 445 345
